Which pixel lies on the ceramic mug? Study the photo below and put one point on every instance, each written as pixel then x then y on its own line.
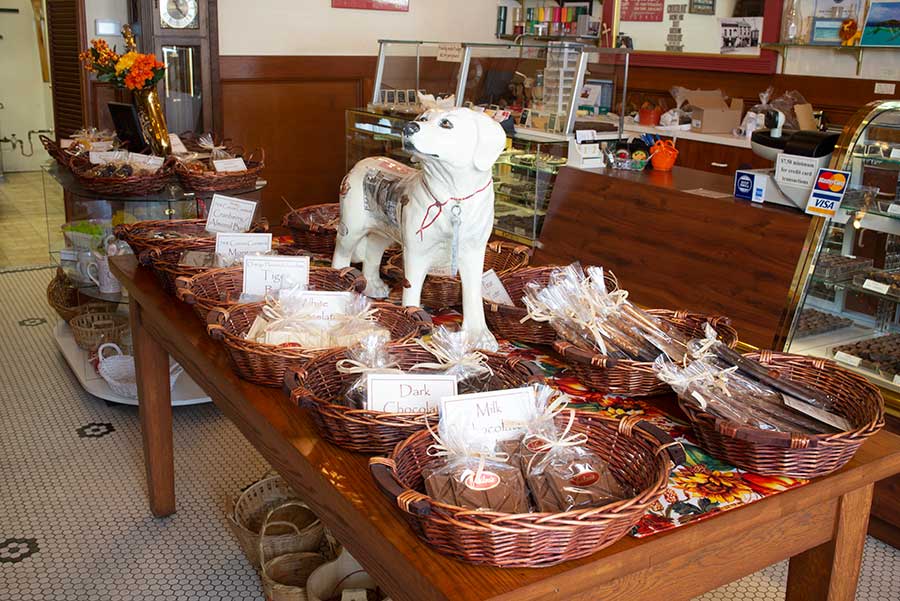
pixel 99 273
pixel 85 258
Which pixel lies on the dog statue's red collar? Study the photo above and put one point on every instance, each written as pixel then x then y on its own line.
pixel 440 205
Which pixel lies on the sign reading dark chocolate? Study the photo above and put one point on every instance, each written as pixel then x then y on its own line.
pixel 407 393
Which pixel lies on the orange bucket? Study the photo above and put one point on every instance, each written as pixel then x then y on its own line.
pixel 663 155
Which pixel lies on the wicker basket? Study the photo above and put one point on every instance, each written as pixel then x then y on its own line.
pixel 506 321
pixel 143 235
pixel 91 329
pixel 330 579
pixel 212 181
pixel 439 292
pixel 792 454
pixel 247 512
pixel 57 153
pixel 63 296
pixel 220 288
pixel 637 378
pixel 266 364
pixel 319 383
pixel 631 447
pixel 135 185
pixel 314 228
pixel 164 260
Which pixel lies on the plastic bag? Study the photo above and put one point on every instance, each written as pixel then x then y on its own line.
pixel 288 321
pixel 370 356
pixel 548 403
pixel 216 153
pixel 457 356
pixel 357 323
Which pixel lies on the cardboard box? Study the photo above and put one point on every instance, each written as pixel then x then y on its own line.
pixel 711 114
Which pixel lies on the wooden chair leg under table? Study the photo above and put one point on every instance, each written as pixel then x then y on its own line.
pixel 155 408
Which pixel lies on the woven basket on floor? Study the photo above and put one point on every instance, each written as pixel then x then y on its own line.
pixel 634 450
pixel 213 181
pixel 506 321
pixel 266 364
pixel 247 511
pixel 793 454
pixel 318 384
pixel 221 288
pixel 91 329
pixel 314 228
pixel 637 378
pixel 439 292
pixel 135 185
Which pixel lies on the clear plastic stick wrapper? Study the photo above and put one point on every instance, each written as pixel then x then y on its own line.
pixel 370 356
pixel 456 356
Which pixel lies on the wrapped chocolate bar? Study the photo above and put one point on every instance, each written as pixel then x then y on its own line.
pixel 548 403
pixel 456 356
pixel 370 356
pixel 356 323
pixel 286 321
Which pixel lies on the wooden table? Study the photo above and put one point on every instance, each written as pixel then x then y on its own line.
pixel 821 526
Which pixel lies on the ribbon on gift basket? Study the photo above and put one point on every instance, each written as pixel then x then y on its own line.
pixel 475 360
pixel 564 440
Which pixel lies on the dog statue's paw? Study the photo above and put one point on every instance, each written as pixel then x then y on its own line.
pixel 377 289
pixel 484 340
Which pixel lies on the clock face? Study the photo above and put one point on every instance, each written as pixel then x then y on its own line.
pixel 179 14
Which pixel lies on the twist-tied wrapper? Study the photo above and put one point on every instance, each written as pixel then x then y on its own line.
pixel 370 356
pixel 456 356
pixel 357 323
pixel 216 153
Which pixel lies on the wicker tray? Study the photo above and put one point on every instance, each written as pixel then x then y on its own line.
pixel 93 328
pixel 266 364
pixel 792 454
pixel 211 181
pixel 633 449
pixel 164 260
pixel 314 228
pixel 636 378
pixel 135 185
pixel 439 292
pixel 318 383
pixel 219 288
pixel 143 235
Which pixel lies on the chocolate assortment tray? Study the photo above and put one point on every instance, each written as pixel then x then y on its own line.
pixel 832 266
pixel 881 354
pixel 879 281
pixel 813 322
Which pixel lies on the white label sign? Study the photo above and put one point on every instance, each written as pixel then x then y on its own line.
pixel 264 274
pixel 493 290
pixel 228 165
pixel 234 246
pixel 102 146
pixel 324 305
pixel 878 287
pixel 450 53
pixel 100 158
pixel 145 160
pixel 847 358
pixel 488 416
pixel 228 214
pixel 826 417
pixel 408 393
pixel 796 170
pixel 896 379
pixel 178 146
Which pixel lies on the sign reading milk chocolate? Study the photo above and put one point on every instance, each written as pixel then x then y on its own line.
pixel 488 416
pixel 264 274
pixel 235 246
pixel 493 290
pixel 324 305
pixel 228 214
pixel 229 165
pixel 408 393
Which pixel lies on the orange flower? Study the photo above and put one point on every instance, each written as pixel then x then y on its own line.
pixel 718 487
pixel 142 70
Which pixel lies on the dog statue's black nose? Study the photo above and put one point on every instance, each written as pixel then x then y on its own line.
pixel 410 128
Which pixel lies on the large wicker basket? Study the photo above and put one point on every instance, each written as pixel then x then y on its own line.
pixel 144 235
pixel 56 152
pixel 221 288
pixel 93 328
pixel 135 185
pixel 793 454
pixel 637 378
pixel 314 228
pixel 266 364
pixel 165 260
pixel 63 296
pixel 439 292
pixel 319 383
pixel 633 450
pixel 212 181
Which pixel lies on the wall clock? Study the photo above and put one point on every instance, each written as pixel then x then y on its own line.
pixel 179 14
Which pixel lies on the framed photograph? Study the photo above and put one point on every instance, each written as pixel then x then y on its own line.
pixel 395 5
pixel 825 32
pixel 391 97
pixel 702 7
pixel 740 35
pixel 579 4
pixel 401 96
pixel 882 24
pixel 838 9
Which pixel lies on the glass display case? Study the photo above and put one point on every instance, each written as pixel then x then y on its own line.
pixel 849 311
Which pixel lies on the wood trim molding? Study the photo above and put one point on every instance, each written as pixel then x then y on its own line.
pixel 288 68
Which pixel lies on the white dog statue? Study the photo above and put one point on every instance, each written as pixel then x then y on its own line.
pixel 442 215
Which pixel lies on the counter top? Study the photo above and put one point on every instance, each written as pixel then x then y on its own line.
pixel 724 139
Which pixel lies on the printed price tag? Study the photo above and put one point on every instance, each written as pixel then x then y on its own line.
pixel 228 214
pixel 493 290
pixel 178 146
pixel 232 247
pixel 827 192
pixel 450 53
pixel 108 156
pixel 795 170
pixel 408 393
pixel 228 165
pixel 847 358
pixel 878 287
pixel 489 416
pixel 265 274
pixel 324 305
pixel 146 160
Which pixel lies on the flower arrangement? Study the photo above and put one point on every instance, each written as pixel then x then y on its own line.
pixel 132 70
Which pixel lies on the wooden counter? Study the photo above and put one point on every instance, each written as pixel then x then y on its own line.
pixel 675 249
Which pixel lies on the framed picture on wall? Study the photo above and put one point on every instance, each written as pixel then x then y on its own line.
pixel 825 32
pixel 882 24
pixel 838 9
pixel 395 5
pixel 702 7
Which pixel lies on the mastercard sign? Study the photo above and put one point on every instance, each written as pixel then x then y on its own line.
pixel 827 192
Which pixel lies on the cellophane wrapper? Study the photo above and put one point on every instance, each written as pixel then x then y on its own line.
pixel 372 352
pixel 461 359
pixel 358 323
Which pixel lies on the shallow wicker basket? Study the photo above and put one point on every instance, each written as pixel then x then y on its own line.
pixel 439 292
pixel 63 296
pixel 319 383
pixel 633 449
pixel 637 378
pixel 135 185
pixel 220 288
pixel 91 329
pixel 314 228
pixel 144 235
pixel 792 454
pixel 266 364
pixel 212 181
pixel 506 321
pixel 164 260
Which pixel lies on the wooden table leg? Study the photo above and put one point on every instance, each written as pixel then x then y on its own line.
pixel 155 408
pixel 830 571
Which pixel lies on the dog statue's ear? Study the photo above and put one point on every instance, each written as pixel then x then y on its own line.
pixel 491 142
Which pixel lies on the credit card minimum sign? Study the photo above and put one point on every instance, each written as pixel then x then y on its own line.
pixel 827 192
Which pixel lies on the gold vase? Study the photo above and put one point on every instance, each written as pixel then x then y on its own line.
pixel 153 121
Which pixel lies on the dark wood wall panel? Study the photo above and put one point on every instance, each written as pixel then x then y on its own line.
pixel 66 38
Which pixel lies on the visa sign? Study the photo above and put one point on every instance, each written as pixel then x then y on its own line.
pixel 827 192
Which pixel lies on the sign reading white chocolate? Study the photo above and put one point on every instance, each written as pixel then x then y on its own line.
pixel 265 274
pixel 230 165
pixel 488 416
pixel 493 290
pixel 228 214
pixel 408 393
pixel 232 247
pixel 324 306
